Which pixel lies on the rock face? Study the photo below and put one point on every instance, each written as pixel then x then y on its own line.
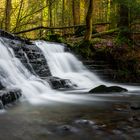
pixel 28 53
pixel 31 56
pixel 105 89
pixel 8 96
pixel 57 83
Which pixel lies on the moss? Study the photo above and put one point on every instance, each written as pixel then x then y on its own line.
pixel 84 48
pixel 55 38
pixel 123 37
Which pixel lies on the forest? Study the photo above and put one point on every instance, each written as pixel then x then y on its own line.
pixel 64 16
pixel 70 69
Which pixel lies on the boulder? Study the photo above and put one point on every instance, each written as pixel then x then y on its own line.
pixel 8 96
pixel 105 89
pixel 57 83
pixel 66 129
pixel 135 106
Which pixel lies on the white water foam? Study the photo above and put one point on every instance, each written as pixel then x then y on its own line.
pixel 65 65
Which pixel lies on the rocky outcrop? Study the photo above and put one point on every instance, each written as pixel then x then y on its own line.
pixel 13 37
pixel 57 83
pixel 105 89
pixel 8 96
pixel 29 54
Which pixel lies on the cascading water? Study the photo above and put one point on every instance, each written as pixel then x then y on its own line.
pixel 65 65
pixel 14 74
pixel 62 64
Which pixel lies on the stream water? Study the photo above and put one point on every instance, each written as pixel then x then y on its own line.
pixel 44 113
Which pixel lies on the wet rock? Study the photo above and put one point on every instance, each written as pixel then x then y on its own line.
pixel 85 122
pixel 105 89
pixel 117 132
pixel 66 129
pixel 134 118
pixel 30 56
pixel 13 37
pixel 1 105
pixel 135 106
pixel 122 107
pixel 57 83
pixel 9 96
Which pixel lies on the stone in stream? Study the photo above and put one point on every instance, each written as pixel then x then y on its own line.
pixel 84 122
pixel 8 96
pixel 66 129
pixel 135 106
pixel 57 83
pixel 105 89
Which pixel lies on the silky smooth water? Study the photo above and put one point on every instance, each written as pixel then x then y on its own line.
pixel 65 65
pixel 13 74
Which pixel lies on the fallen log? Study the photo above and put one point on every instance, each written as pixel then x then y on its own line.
pixel 54 28
pixel 109 32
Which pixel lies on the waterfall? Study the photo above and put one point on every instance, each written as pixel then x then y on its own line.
pixel 62 64
pixel 65 65
pixel 14 74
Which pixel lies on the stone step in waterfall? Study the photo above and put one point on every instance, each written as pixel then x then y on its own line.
pixel 101 68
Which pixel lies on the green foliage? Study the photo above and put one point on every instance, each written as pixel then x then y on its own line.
pixel 55 38
pixel 84 48
pixel 96 40
pixel 134 8
pixel 80 31
pixel 123 37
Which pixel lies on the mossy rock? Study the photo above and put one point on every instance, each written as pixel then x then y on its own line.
pixel 105 89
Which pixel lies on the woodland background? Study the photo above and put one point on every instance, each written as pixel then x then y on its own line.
pixel 20 15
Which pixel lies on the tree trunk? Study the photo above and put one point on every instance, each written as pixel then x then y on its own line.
pixel 76 11
pixel 88 33
pixel 108 10
pixel 50 13
pixel 63 15
pixel 8 7
pixel 123 23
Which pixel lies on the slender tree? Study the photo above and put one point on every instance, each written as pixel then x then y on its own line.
pixel 8 7
pixel 123 22
pixel 88 33
pixel 76 11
